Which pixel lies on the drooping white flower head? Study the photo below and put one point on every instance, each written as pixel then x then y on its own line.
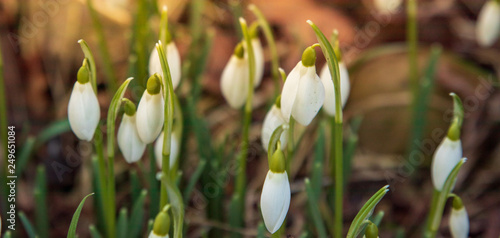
pixel 273 120
pixel 128 139
pixel 234 79
pixel 387 6
pixel 488 24
pixel 259 61
pixel 83 107
pixel 174 149
pixel 447 155
pixel 345 88
pixel 303 93
pixel 174 63
pixel 459 219
pixel 150 112
pixel 275 197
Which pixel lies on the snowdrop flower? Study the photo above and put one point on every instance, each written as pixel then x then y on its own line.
pixel 161 225
pixel 175 147
pixel 303 92
pixel 174 63
pixel 274 118
pixel 150 112
pixel 275 197
pixel 345 87
pixel 83 107
pixel 449 152
pixel 488 23
pixel 387 6
pixel 258 52
pixel 235 80
pixel 129 142
pixel 459 220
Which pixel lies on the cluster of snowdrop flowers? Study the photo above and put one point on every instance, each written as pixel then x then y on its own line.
pixel 161 225
pixel 488 23
pixel 459 219
pixel 275 197
pixel 235 81
pixel 83 107
pixel 303 93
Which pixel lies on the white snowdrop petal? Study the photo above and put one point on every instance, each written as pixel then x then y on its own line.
pixel 289 91
pixel 234 82
pixel 150 116
pixel 128 139
pixel 387 6
pixel 174 63
pixel 310 97
pixel 488 24
pixel 83 111
pixel 275 200
pixel 447 155
pixel 273 120
pixel 153 235
pixel 174 149
pixel 259 61
pixel 345 87
pixel 459 223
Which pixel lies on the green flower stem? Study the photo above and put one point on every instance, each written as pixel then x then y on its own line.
pixel 103 48
pixel 439 201
pixel 336 157
pixel 90 57
pixel 272 47
pixel 169 117
pixel 411 35
pixel 291 144
pixel 112 114
pixel 239 194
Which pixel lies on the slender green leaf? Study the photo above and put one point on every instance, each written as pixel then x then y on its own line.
pixel 94 233
pixel 28 227
pixel 261 230
pixel 193 180
pixel 99 201
pixel 365 212
pixel 41 211
pixel 318 162
pixel 122 225
pixel 312 199
pixel 137 215
pixel 350 147
pixel 76 217
pixel 135 185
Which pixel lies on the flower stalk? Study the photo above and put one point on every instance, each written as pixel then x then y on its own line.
pixel 336 157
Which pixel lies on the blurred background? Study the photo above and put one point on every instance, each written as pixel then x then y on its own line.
pixel 41 57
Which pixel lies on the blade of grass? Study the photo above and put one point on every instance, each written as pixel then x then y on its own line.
pixel 318 163
pixel 94 233
pixel 28 227
pixel 41 211
pixel 312 199
pixel 122 225
pixel 76 217
pixel 136 216
pixel 135 185
pixel 193 180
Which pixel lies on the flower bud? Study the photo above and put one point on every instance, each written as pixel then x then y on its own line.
pixel 83 107
pixel 275 197
pixel 274 118
pixel 259 61
pixel 303 93
pixel 161 225
pixel 175 147
pixel 459 219
pixel 174 63
pixel 488 23
pixel 345 87
pixel 150 112
pixel 128 139
pixel 235 79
